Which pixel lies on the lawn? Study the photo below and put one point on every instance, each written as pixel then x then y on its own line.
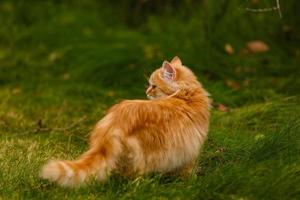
pixel 63 64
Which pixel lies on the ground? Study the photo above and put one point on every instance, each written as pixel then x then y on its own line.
pixel 63 64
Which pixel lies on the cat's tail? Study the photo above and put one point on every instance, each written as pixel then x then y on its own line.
pixel 95 162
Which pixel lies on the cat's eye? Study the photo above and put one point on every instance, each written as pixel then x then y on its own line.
pixel 153 86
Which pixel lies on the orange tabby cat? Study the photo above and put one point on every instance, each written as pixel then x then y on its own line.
pixel 163 134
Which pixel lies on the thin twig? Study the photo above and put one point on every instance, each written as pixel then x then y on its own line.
pixel 41 129
pixel 261 9
pixel 277 7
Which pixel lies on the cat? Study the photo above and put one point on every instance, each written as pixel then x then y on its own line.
pixel 163 134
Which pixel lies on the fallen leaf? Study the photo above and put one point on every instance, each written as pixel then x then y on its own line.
pixel 254 2
pixel 110 93
pixel 233 84
pixel 54 56
pixel 222 108
pixel 229 49
pixel 257 46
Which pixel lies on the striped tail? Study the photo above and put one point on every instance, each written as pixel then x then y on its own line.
pixel 73 173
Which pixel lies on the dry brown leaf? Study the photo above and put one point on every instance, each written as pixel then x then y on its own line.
pixel 233 84
pixel 254 2
pixel 229 49
pixel 222 108
pixel 257 46
pixel 110 93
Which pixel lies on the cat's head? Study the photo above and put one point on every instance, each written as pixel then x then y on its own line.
pixel 170 78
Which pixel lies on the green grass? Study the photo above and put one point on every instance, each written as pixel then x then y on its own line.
pixel 63 64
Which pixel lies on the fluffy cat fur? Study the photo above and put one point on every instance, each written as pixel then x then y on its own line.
pixel 163 134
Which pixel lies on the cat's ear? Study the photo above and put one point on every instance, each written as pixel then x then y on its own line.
pixel 176 61
pixel 168 72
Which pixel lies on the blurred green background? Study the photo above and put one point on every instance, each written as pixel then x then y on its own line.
pixel 63 63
